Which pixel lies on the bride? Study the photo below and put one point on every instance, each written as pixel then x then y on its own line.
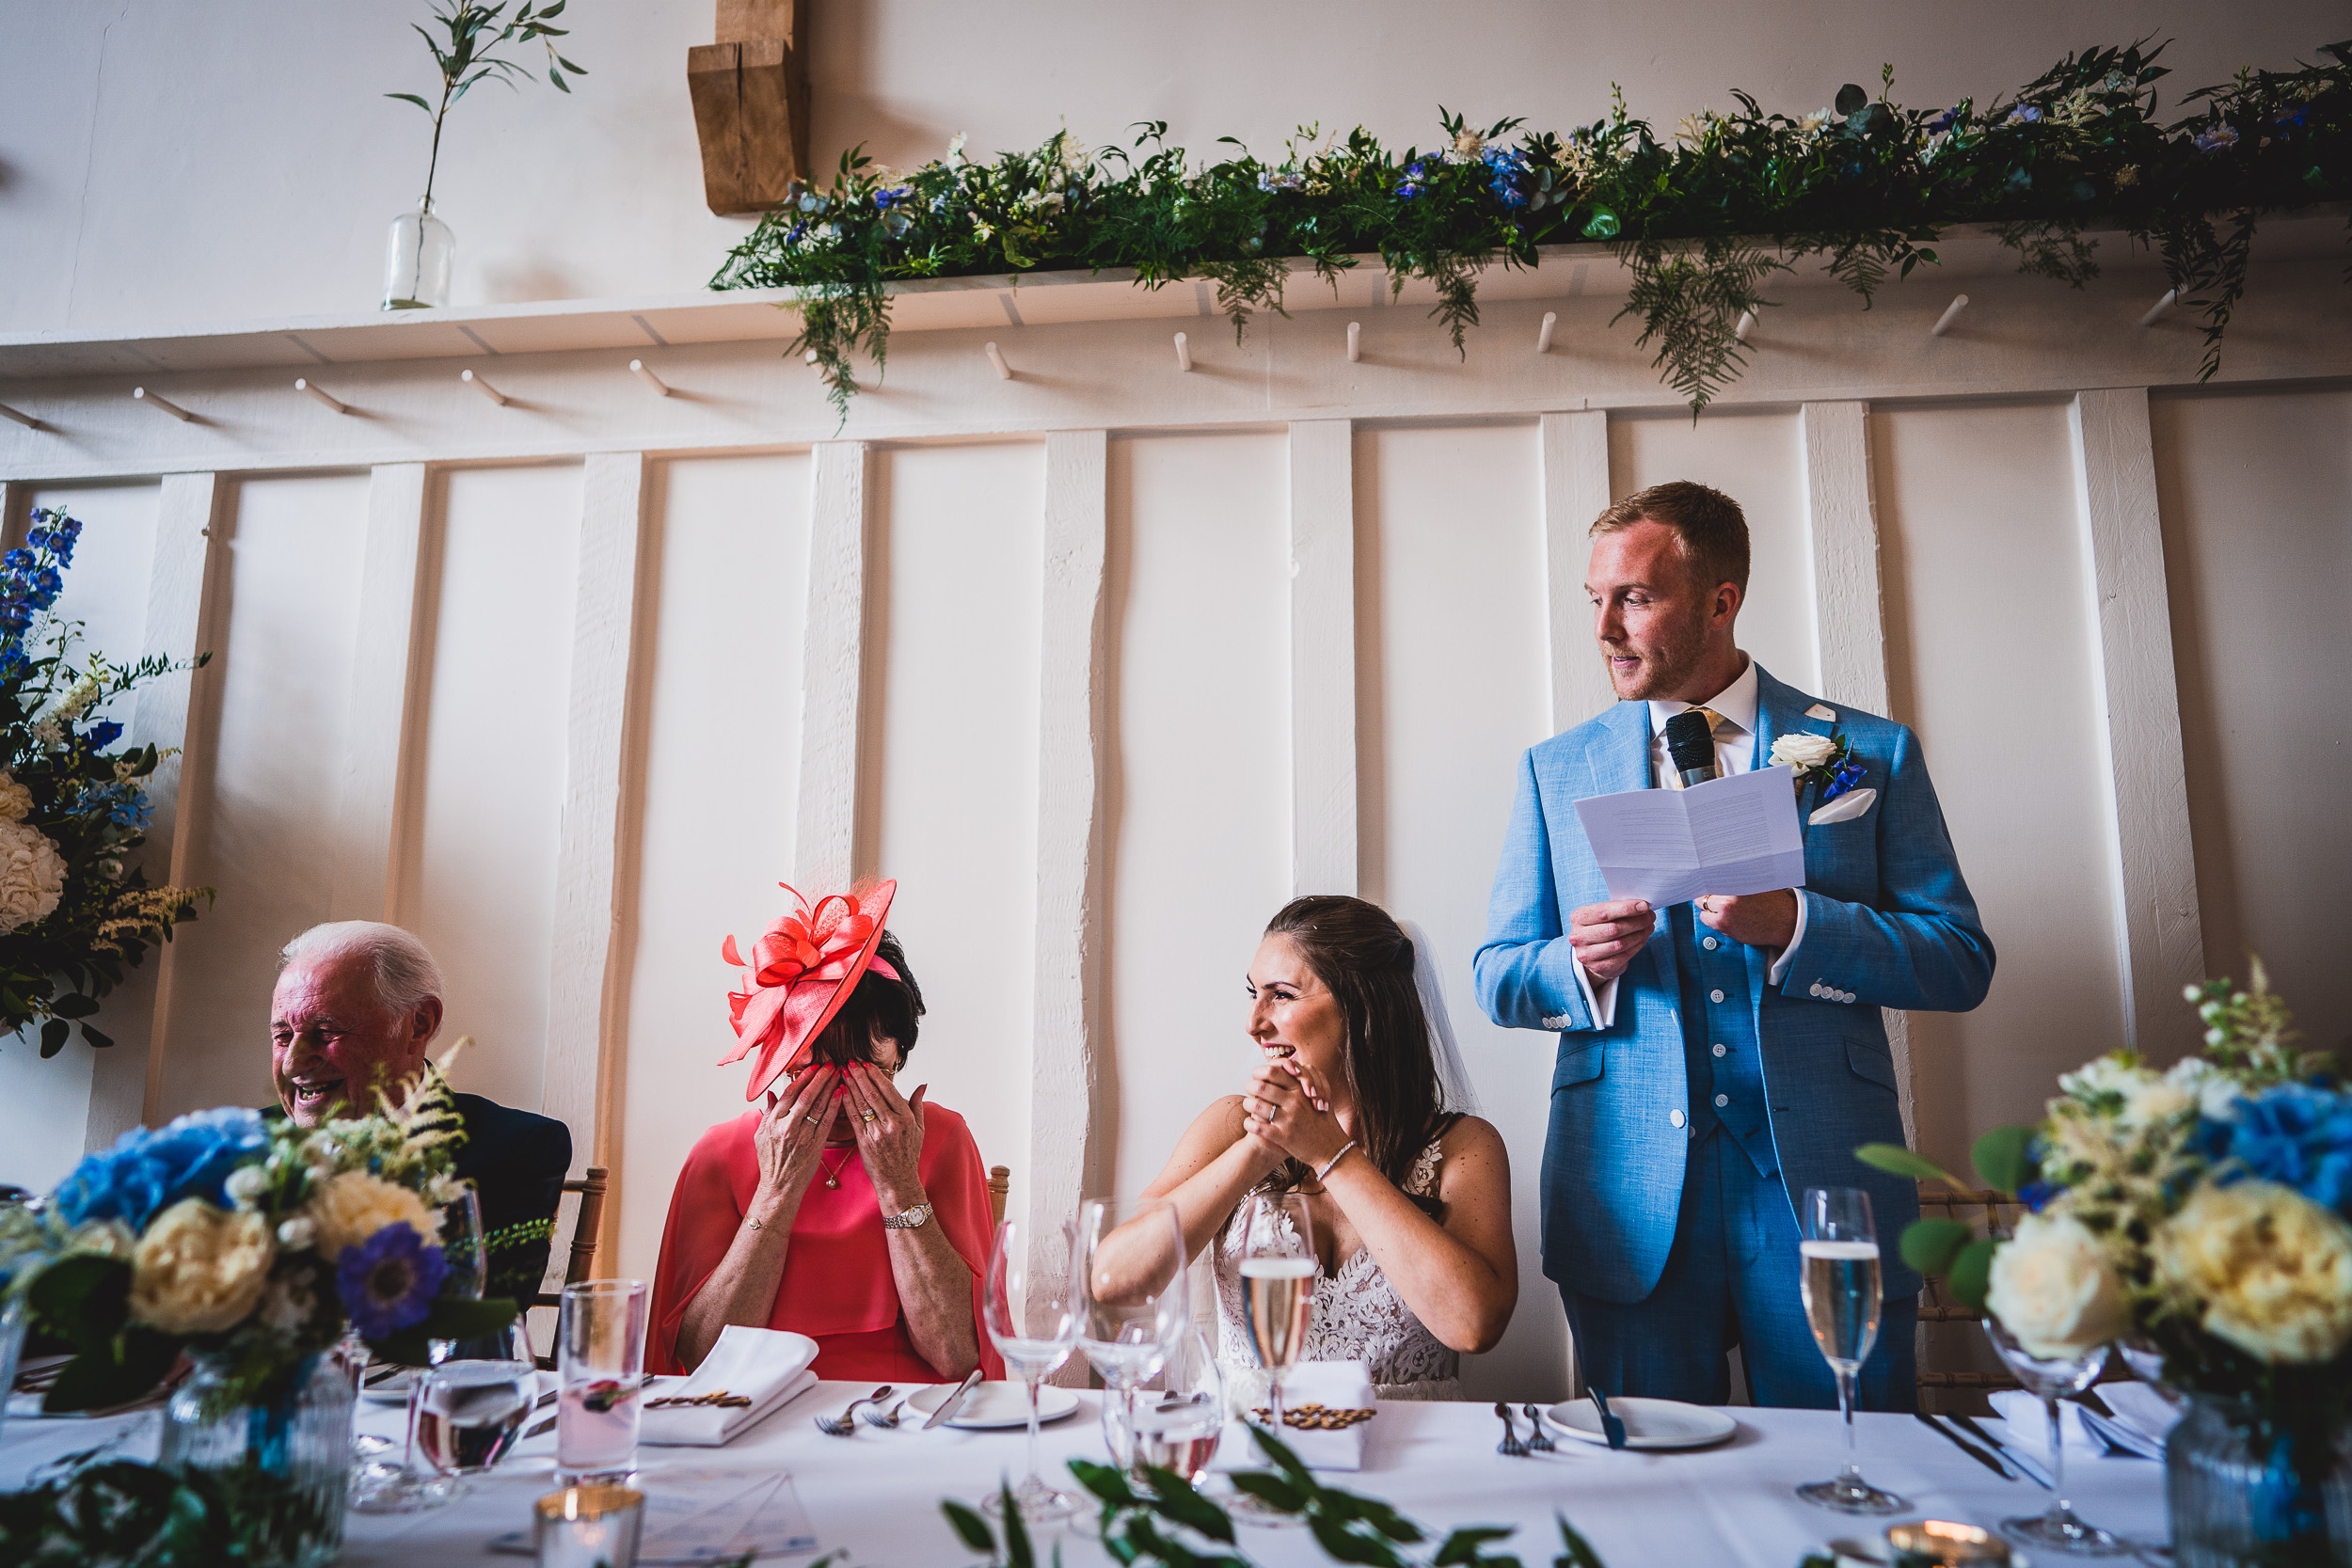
pixel 1410 1200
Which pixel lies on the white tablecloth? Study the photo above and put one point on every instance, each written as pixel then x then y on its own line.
pixel 878 1493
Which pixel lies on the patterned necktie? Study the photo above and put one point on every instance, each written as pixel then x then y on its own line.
pixel 1672 774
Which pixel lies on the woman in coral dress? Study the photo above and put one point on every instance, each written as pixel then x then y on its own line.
pixel 841 1209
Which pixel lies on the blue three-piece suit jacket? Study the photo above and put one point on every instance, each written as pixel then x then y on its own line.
pixel 1889 922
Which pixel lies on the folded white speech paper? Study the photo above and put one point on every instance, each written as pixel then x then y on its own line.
pixel 1335 1386
pixel 764 1365
pixel 1730 835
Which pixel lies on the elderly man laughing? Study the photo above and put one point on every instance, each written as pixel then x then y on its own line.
pixel 356 1004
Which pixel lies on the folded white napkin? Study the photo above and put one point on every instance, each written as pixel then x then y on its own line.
pixel 1335 1385
pixel 2141 1420
pixel 765 1365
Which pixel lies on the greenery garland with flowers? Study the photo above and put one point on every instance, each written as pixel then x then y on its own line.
pixel 1704 219
pixel 2203 1213
pixel 73 913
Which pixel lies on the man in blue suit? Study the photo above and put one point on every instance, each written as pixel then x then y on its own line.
pixel 1717 1058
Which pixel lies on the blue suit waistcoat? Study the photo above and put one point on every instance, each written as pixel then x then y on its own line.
pixel 1889 922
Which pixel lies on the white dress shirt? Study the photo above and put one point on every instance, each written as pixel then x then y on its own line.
pixel 1734 752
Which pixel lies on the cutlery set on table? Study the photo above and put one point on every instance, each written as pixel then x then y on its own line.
pixel 1652 1426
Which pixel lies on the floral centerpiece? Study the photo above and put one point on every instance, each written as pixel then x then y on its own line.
pixel 253 1245
pixel 74 910
pixel 2201 1217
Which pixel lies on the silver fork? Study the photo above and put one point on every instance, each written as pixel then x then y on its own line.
pixel 887 1422
pixel 842 1425
pixel 1510 1444
pixel 1536 1442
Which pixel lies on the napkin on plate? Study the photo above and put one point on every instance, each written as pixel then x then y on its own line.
pixel 766 1366
pixel 1336 1384
pixel 2141 1420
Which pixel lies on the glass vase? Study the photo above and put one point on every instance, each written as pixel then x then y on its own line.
pixel 278 1463
pixel 2246 1489
pixel 417 256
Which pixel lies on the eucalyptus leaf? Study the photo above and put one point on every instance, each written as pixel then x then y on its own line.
pixel 1931 1244
pixel 2004 1157
pixel 1971 1274
pixel 96 1037
pixel 969 1526
pixel 1896 1159
pixel 1850 99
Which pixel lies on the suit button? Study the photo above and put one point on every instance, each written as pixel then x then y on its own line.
pixel 1710 944
pixel 1673 1119
pixel 1719 1051
pixel 1815 989
pixel 1714 996
pixel 1723 1099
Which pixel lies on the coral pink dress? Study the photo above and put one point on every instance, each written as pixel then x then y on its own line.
pixel 837 1287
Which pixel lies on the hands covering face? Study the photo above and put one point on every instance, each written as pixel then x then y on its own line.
pixel 889 1132
pixel 1287 1107
pixel 790 1137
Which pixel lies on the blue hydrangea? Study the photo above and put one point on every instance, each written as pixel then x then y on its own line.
pixel 387 1282
pixel 2297 1134
pixel 148 1169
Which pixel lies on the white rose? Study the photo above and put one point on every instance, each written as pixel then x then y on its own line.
pixel 15 800
pixel 2052 1288
pixel 32 875
pixel 2267 1269
pixel 246 1185
pixel 200 1270
pixel 1801 752
pixel 355 1206
pixel 296 1233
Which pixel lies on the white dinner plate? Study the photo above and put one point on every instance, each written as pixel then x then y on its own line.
pixel 1655 1424
pixel 996 1405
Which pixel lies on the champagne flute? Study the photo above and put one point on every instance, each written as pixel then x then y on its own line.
pixel 2049 1380
pixel 382 1486
pixel 1839 1278
pixel 1133 1297
pixel 1029 1307
pixel 1277 1285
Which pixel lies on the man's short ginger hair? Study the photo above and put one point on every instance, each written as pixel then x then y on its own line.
pixel 1709 526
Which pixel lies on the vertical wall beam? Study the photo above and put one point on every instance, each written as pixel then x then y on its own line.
pixel 1064 1121
pixel 1576 491
pixel 583 1045
pixel 127 1083
pixel 384 656
pixel 1849 620
pixel 2159 935
pixel 825 846
pixel 1323 658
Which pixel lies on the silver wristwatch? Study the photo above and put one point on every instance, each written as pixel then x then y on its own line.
pixel 914 1219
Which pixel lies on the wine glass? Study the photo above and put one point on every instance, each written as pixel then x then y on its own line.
pixel 1839 1278
pixel 469 1413
pixel 1176 1426
pixel 1029 1307
pixel 2049 1380
pixel 383 1486
pixel 1133 1297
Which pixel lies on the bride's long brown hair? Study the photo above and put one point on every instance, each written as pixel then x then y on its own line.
pixel 1365 960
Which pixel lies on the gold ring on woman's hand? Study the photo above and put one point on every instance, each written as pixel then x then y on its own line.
pixel 812 1121
pixel 866 1115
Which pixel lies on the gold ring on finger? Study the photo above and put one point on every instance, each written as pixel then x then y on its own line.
pixel 866 1115
pixel 812 1121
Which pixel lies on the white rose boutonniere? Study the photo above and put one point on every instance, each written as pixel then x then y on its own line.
pixel 1826 760
pixel 2052 1288
pixel 1803 752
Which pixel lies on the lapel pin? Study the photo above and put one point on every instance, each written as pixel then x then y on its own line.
pixel 1822 710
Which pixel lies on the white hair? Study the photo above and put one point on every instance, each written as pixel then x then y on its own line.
pixel 405 975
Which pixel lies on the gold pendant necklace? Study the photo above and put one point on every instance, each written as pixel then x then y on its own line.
pixel 832 1177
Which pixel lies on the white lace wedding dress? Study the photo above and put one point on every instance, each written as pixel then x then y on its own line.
pixel 1358 1316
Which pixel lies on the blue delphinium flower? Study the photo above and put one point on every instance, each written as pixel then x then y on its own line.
pixel 2036 1196
pixel 150 1170
pixel 2024 114
pixel 387 1282
pixel 103 734
pixel 1507 166
pixel 1411 186
pixel 1943 122
pixel 2296 1134
pixel 1843 778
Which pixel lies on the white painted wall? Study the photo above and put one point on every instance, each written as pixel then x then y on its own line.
pixel 255 132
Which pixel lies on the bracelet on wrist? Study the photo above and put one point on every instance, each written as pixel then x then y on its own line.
pixel 1333 1160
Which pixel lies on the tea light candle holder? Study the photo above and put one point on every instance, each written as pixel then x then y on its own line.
pixel 589 1526
pixel 1942 1544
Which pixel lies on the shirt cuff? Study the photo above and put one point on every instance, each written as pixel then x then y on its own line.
pixel 1601 1002
pixel 1780 966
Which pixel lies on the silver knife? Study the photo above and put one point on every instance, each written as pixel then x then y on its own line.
pixel 1988 1461
pixel 954 1401
pixel 2040 1476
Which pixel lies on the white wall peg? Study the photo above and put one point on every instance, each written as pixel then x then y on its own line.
pixel 483 387
pixel 142 395
pixel 2161 308
pixel 1183 352
pixel 1355 341
pixel 1746 326
pixel 1543 333
pixel 637 368
pixel 1951 315
pixel 996 357
pixel 20 418
pixel 301 385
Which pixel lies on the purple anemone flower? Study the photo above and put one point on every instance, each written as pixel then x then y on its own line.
pixel 387 1282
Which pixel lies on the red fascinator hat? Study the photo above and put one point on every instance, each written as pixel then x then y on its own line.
pixel 802 969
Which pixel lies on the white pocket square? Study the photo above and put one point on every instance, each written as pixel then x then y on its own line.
pixel 1845 808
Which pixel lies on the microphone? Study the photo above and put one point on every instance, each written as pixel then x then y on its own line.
pixel 1691 745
